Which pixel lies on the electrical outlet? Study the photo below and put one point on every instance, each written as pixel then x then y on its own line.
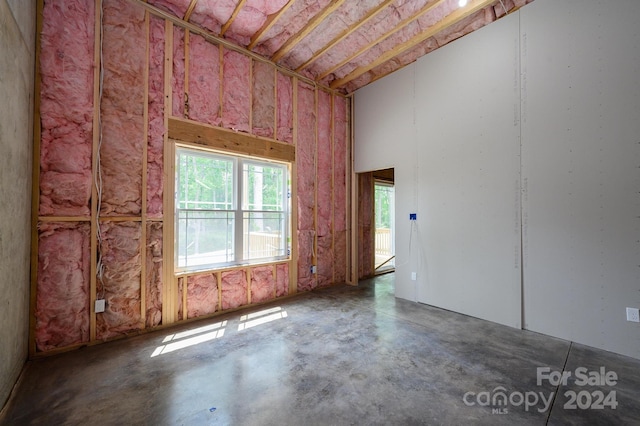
pixel 313 269
pixel 633 314
pixel 100 306
pixel 413 216
pixel 414 276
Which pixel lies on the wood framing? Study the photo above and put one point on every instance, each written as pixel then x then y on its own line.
pixel 402 24
pixel 192 6
pixel 228 140
pixel 453 18
pixel 232 18
pixel 143 201
pixel 35 186
pixel 95 167
pixel 293 266
pixel 306 30
pixel 271 20
pixel 371 14
pixel 168 294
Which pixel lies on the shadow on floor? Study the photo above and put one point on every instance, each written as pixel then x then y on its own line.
pixel 341 355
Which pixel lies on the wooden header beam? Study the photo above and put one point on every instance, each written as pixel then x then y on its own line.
pixel 227 140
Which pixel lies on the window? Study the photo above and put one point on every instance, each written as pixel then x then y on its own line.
pixel 229 210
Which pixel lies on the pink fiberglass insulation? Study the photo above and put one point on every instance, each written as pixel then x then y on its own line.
pixel 324 172
pixel 236 91
pixel 153 281
pixel 263 284
pixel 180 293
pixel 324 271
pixel 365 225
pixel 122 108
pixel 120 285
pixel 66 107
pixel 212 14
pixel 305 156
pixel 381 24
pixel 252 16
pixel 282 279
pixel 292 21
pixel 234 289
pixel 176 7
pixel 284 92
pixel 324 179
pixel 340 188
pixel 264 80
pixel 202 295
pixel 306 280
pixel 204 80
pixel 306 167
pixel 62 294
pixel 345 17
pixel 177 79
pixel 156 118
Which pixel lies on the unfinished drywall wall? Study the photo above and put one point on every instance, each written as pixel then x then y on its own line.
pixel 581 158
pixel 124 229
pixel 17 56
pixel 578 171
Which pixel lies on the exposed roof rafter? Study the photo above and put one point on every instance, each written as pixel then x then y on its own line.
pixel 306 30
pixel 226 26
pixel 453 18
pixel 346 33
pixel 190 9
pixel 271 20
pixel 428 7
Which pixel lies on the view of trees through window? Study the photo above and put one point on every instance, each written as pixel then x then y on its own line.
pixel 384 219
pixel 229 209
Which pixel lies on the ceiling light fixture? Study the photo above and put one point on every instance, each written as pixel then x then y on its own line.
pixel 462 3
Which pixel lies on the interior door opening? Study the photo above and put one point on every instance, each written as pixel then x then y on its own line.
pixel 384 216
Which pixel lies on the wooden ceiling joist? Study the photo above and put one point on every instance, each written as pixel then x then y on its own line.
pixel 271 20
pixel 346 33
pixel 192 6
pixel 453 18
pixel 227 24
pixel 425 9
pixel 306 30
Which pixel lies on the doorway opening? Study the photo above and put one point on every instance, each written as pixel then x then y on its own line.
pixel 384 219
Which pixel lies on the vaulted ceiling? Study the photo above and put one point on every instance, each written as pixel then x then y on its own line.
pixel 341 44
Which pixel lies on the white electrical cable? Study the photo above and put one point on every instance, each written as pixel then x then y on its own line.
pixel 98 175
pixel 505 9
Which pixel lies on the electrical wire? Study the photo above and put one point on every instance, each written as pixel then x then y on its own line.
pixel 98 174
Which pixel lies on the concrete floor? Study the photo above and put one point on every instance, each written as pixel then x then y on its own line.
pixel 337 356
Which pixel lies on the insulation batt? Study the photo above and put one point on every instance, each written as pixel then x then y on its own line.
pixel 204 80
pixel 282 279
pixel 66 107
pixel 177 79
pixel 289 24
pixel 252 16
pixel 234 289
pixel 202 295
pixel 122 108
pixel 180 293
pixel 176 7
pixel 340 189
pixel 263 99
pixel 263 284
pixel 212 14
pixel 156 118
pixel 284 91
pixel 306 171
pixel 62 296
pixel 324 179
pixel 347 15
pixel 120 285
pixel 236 91
pixel 153 282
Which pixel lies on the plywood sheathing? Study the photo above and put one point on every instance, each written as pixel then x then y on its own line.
pixel 137 103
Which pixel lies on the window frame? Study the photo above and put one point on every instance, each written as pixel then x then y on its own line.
pixel 238 160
